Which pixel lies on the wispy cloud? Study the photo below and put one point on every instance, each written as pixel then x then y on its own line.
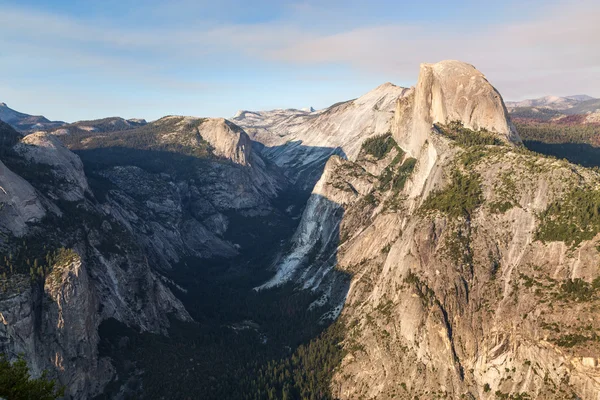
pixel 555 51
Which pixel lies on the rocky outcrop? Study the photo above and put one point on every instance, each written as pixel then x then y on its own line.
pixel 450 91
pixel 318 232
pixel 67 169
pixel 466 305
pixel 54 321
pixel 227 140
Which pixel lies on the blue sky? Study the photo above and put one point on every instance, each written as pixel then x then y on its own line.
pixel 74 60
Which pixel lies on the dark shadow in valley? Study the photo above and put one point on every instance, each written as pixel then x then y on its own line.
pixel 578 153
pixel 301 164
pixel 243 343
pixel 241 338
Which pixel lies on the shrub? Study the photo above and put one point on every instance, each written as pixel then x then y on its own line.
pixel 16 383
pixel 403 173
pixel 379 146
pixel 572 219
pixel 460 199
pixel 500 207
pixel 577 289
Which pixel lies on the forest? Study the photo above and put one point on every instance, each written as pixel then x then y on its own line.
pixel 578 143
pixel 16 382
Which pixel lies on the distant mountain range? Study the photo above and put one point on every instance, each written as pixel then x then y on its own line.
pixel 576 104
pixel 577 109
pixel 25 122
pixel 110 124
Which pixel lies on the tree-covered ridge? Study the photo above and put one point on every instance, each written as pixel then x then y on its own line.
pixel 16 382
pixel 466 137
pixel 573 218
pixel 170 134
pixel 393 176
pixel 460 198
pixel 550 132
pixel 567 138
pixel 170 145
pixel 8 137
pixel 534 113
pixel 110 124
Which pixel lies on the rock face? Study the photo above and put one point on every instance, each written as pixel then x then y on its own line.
pixel 55 322
pixel 461 284
pixel 45 149
pixel 301 142
pixel 20 202
pixel 51 313
pixel 227 139
pixel 450 91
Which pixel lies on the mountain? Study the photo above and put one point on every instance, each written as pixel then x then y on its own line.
pixel 402 244
pixel 69 262
pixel 460 263
pixel 580 97
pixel 578 108
pixel 25 122
pixel 552 102
pixel 112 124
pixel 585 107
pixel 300 142
pixel 99 240
pixel 572 133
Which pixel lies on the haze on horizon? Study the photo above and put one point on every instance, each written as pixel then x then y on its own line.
pixel 75 60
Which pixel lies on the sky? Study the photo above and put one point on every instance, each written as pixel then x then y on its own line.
pixel 74 60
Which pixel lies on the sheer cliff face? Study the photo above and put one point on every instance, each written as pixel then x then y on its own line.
pixel 469 278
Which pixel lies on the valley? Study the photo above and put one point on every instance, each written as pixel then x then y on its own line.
pixel 422 242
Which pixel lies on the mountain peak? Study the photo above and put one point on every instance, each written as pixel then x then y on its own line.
pixel 451 91
pixel 386 85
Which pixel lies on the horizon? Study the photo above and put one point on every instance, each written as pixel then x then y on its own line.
pixel 4 103
pixel 70 61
